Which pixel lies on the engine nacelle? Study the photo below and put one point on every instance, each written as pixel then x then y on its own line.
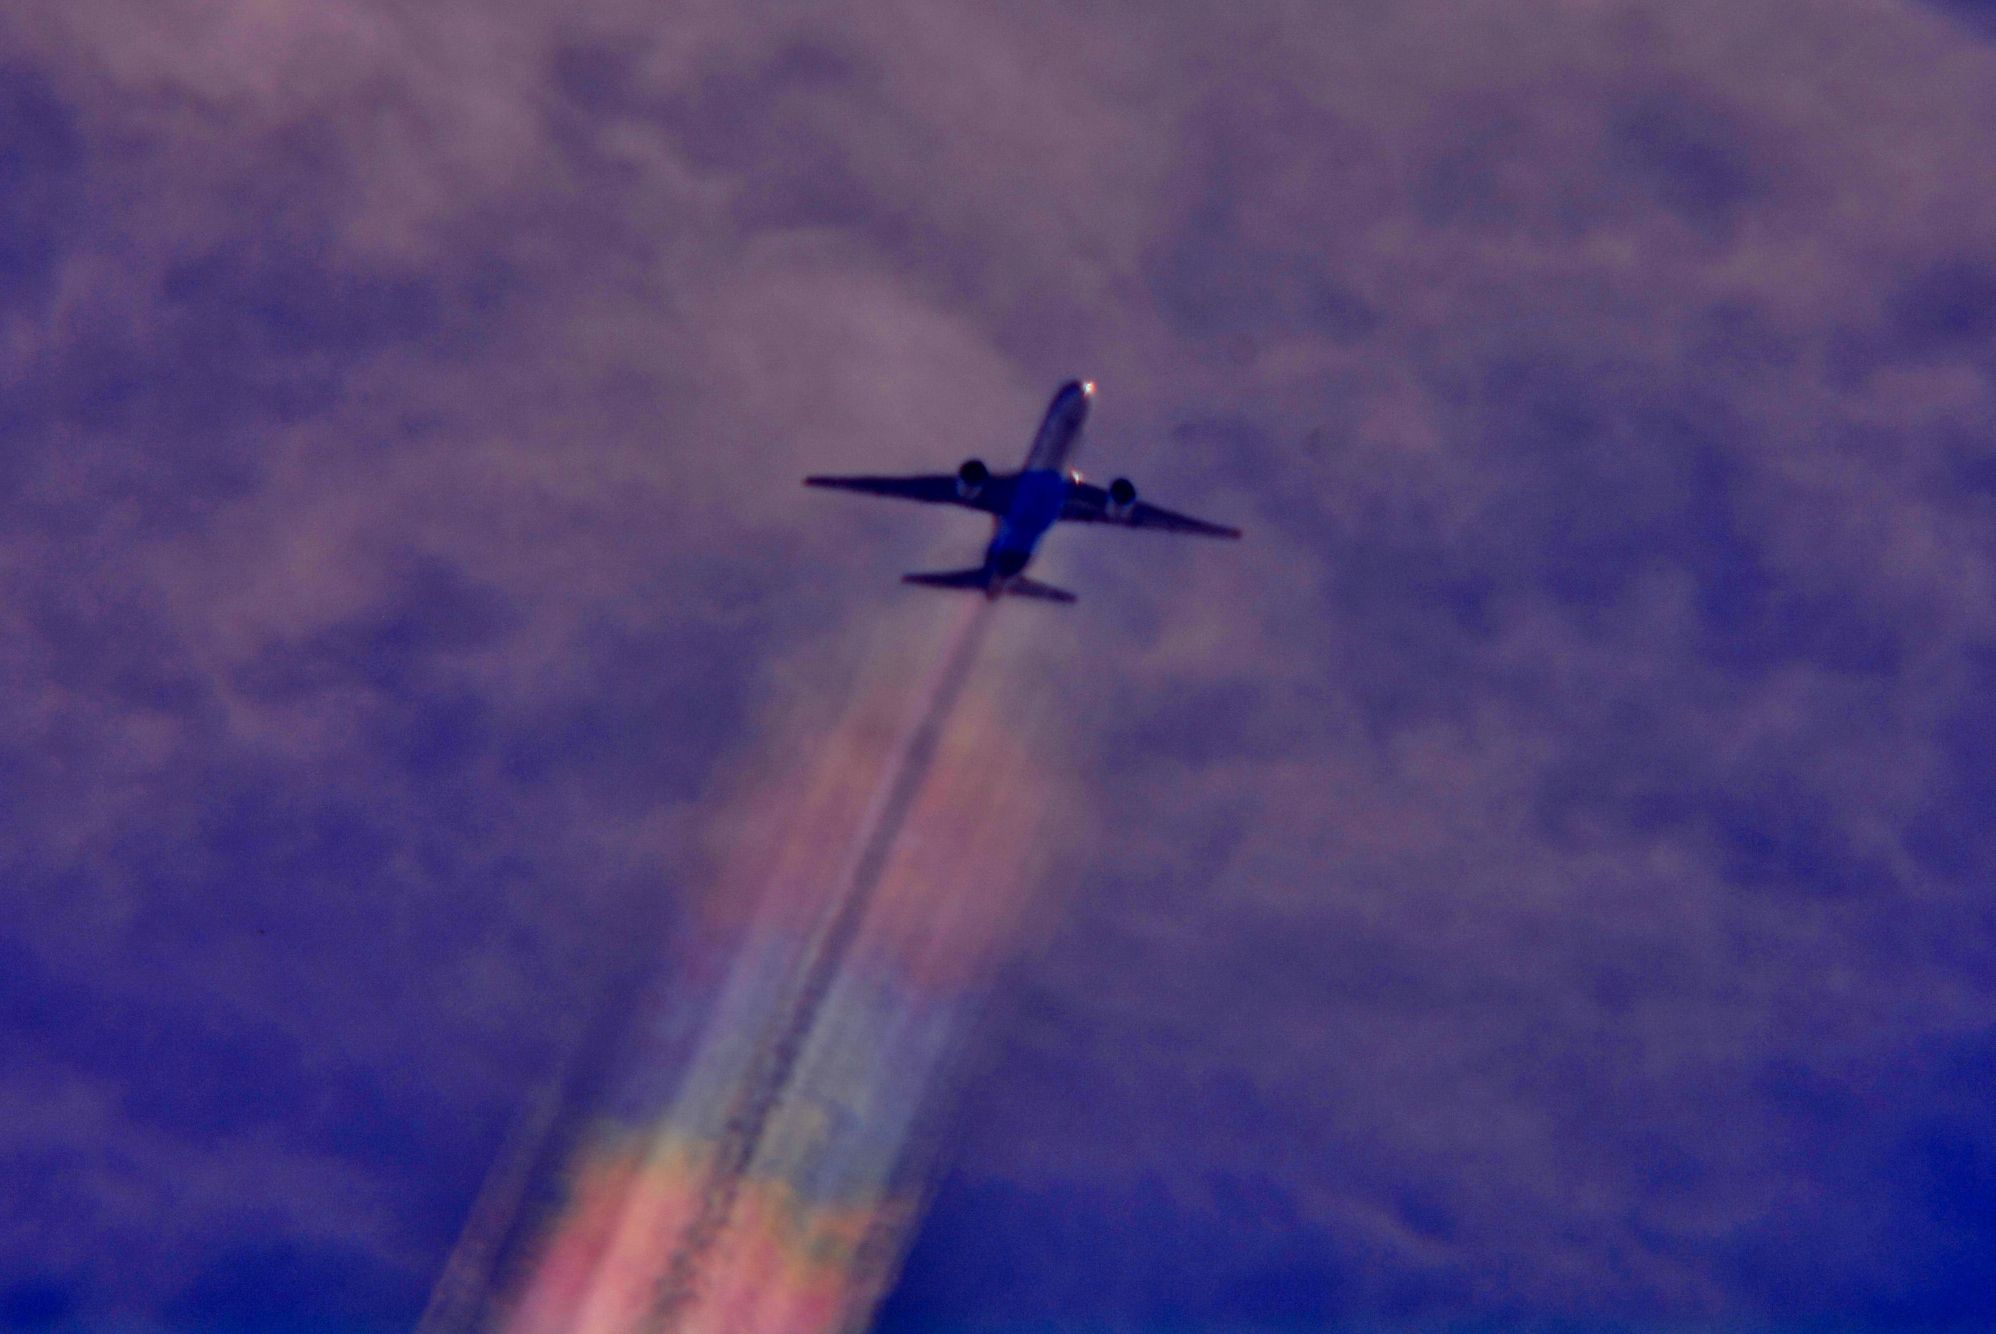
pixel 1122 498
pixel 970 478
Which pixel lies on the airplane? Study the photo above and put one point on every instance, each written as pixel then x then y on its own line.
pixel 1025 504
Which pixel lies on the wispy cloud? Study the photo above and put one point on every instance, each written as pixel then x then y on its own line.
pixel 1538 871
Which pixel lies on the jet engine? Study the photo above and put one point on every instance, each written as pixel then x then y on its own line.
pixel 970 478
pixel 1122 498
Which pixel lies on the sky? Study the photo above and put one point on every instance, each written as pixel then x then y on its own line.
pixel 1541 874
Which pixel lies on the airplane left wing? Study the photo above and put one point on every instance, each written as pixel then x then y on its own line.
pixel 1088 503
pixel 992 497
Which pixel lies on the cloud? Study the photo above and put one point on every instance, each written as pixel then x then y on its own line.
pixel 1536 873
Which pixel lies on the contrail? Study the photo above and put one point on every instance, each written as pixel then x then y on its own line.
pixel 770 1070
pixel 458 1299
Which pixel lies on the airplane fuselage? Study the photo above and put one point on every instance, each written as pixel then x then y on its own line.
pixel 1041 488
pixel 1023 505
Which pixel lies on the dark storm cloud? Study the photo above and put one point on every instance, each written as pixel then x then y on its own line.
pixel 1537 873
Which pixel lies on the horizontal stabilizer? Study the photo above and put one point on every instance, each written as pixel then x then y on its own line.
pixel 1026 588
pixel 979 580
pixel 972 578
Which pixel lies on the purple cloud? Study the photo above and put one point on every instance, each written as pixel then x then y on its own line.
pixel 1538 874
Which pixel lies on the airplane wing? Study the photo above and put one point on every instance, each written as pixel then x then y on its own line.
pixel 1088 503
pixel 993 497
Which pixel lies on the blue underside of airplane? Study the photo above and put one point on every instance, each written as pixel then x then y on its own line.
pixel 1025 505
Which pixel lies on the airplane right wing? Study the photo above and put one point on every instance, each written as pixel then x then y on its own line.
pixel 992 496
pixel 1088 503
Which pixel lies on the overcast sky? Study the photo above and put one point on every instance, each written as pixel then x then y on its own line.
pixel 1545 870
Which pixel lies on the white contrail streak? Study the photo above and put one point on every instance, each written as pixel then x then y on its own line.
pixel 775 1060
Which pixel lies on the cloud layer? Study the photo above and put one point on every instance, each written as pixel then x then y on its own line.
pixel 1539 873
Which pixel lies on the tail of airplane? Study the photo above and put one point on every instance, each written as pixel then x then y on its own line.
pixel 979 579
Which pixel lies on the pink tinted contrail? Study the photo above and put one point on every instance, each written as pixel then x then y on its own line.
pixel 460 1299
pixel 762 1159
pixel 775 1060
